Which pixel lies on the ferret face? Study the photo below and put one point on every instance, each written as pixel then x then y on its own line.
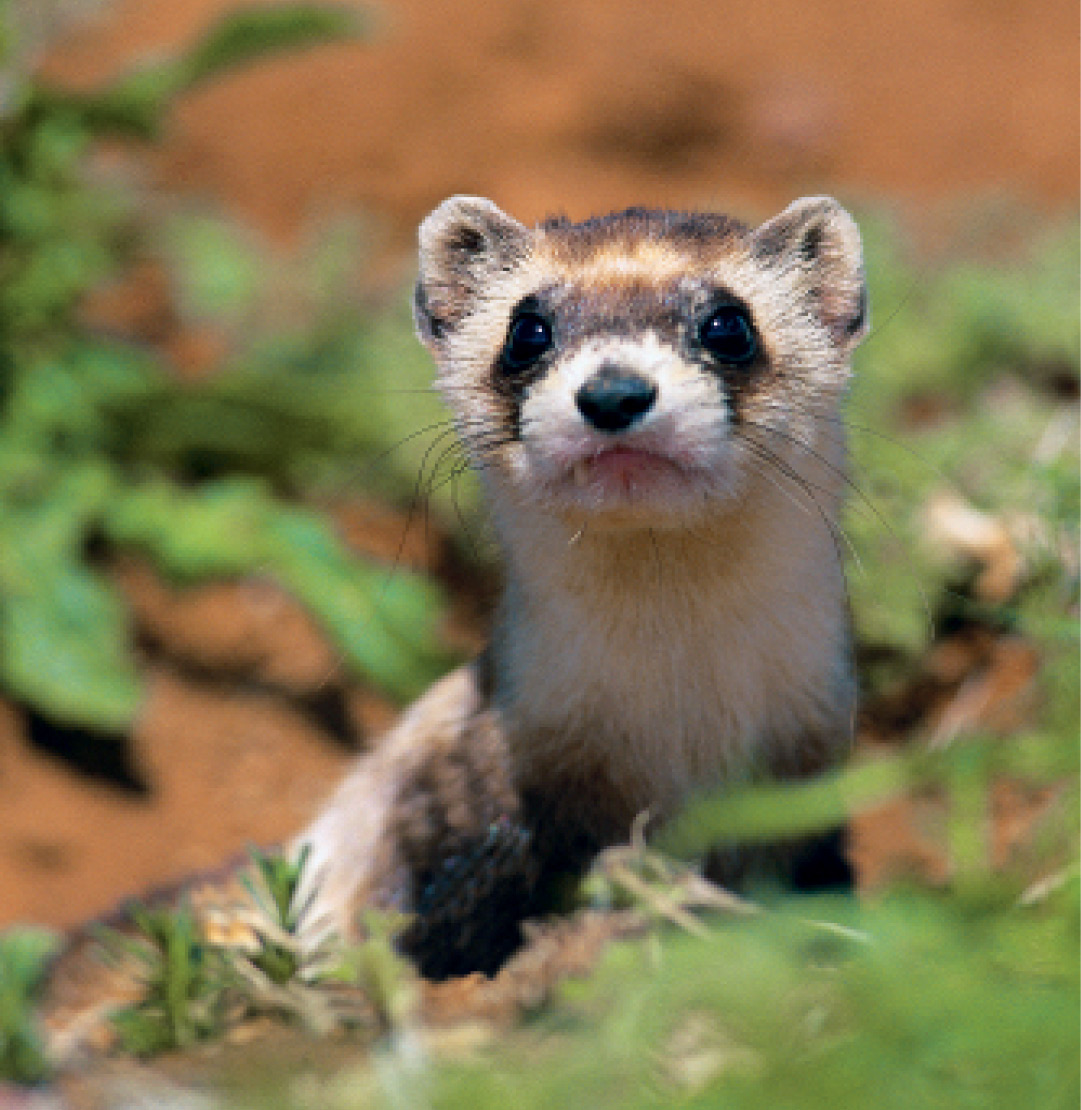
pixel 638 370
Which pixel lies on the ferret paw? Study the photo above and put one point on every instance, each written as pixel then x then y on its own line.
pixel 470 900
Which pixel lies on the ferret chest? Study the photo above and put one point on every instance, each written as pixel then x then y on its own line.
pixel 673 668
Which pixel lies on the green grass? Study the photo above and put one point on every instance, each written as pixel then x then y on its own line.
pixel 933 1008
pixel 24 956
pixel 103 449
pixel 979 346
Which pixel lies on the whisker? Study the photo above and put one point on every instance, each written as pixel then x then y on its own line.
pixel 383 455
pixel 455 474
pixel 864 500
pixel 897 309
pixel 413 504
pixel 840 472
pixel 836 531
pixel 826 416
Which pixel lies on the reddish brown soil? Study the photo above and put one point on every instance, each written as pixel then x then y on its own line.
pixel 580 105
pixel 586 105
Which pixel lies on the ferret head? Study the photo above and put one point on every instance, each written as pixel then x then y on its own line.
pixel 640 370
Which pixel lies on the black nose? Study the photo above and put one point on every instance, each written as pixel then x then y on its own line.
pixel 612 400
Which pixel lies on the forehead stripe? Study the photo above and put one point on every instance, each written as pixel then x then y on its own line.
pixel 614 264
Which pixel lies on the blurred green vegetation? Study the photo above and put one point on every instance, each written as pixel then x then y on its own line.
pixel 924 1007
pixel 197 985
pixel 101 445
pixel 966 385
pixel 184 980
pixel 24 955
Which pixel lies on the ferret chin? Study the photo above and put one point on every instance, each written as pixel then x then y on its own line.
pixel 652 400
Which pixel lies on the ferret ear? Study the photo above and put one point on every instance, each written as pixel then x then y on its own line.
pixel 818 240
pixel 464 243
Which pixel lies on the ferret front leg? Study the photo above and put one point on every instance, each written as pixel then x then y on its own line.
pixel 429 824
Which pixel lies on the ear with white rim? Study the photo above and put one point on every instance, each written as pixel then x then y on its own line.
pixel 464 243
pixel 818 241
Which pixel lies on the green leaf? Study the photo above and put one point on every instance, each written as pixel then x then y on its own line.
pixel 136 103
pixel 184 981
pixel 252 33
pixel 64 638
pixel 384 619
pixel 24 955
pixel 65 650
pixel 217 532
pixel 221 270
pixel 765 812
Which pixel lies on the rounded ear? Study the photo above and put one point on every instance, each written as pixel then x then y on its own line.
pixel 818 240
pixel 464 243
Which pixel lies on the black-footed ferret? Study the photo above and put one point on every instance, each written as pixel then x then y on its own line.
pixel 652 401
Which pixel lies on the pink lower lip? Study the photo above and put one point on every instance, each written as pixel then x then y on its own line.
pixel 626 465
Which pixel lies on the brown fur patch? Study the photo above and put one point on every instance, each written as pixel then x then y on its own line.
pixel 638 232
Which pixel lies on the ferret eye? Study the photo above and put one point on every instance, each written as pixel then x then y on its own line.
pixel 729 336
pixel 529 337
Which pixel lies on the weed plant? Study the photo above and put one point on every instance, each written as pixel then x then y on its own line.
pixel 24 956
pixel 102 448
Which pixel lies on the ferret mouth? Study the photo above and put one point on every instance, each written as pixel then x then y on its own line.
pixel 622 471
pixel 636 486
